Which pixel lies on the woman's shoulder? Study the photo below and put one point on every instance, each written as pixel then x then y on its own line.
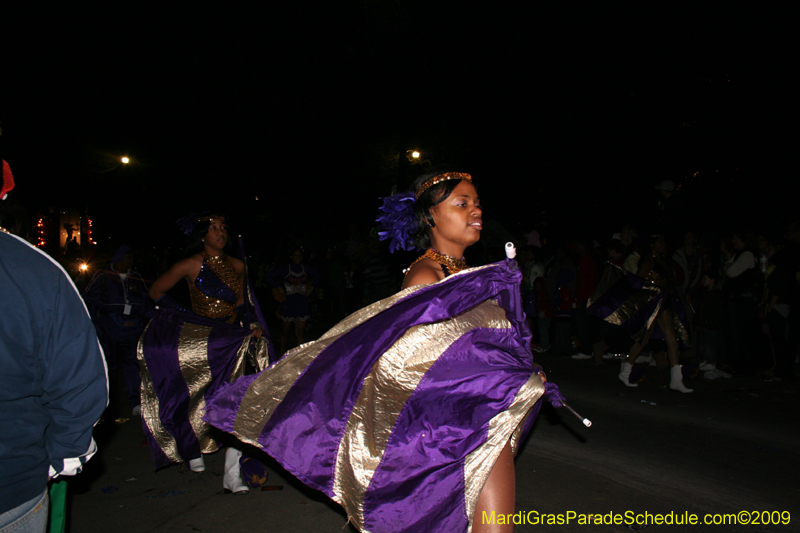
pixel 423 272
pixel 238 265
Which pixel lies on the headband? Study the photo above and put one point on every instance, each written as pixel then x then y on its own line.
pixel 439 179
pixel 188 222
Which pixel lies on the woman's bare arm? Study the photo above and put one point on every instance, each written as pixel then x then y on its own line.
pixel 187 268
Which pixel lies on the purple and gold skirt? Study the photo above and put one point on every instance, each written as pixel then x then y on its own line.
pixel 626 300
pixel 184 358
pixel 400 411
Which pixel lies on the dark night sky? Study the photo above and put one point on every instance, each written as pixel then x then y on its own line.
pixel 562 108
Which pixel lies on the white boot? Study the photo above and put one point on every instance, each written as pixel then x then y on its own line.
pixel 197 465
pixel 676 380
pixel 232 480
pixel 625 374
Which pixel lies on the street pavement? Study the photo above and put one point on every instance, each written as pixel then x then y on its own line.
pixel 730 447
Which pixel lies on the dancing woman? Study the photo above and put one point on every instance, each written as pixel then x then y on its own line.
pixel 292 285
pixel 185 356
pixel 408 412
pixel 648 304
pixel 450 221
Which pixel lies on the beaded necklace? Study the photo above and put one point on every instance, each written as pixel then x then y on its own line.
pixel 450 265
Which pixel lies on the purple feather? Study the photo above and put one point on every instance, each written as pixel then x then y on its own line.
pixel 398 222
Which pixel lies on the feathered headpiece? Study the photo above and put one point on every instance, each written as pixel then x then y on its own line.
pixel 188 222
pixel 398 222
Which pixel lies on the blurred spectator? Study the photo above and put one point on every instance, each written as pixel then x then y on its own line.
pixel 710 323
pixel 118 302
pixel 586 284
pixel 741 289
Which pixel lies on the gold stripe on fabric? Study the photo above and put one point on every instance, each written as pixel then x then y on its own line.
pixel 193 357
pixel 259 358
pixel 629 308
pixel 504 427
pixel 272 385
pixel 150 406
pixel 393 379
pixel 242 355
pixel 633 304
pixel 680 331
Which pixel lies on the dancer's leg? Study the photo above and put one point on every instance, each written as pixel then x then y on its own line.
pixel 665 322
pixel 285 336
pixel 498 495
pixel 299 331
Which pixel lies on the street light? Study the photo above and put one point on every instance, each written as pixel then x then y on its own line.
pixel 107 163
pixel 415 157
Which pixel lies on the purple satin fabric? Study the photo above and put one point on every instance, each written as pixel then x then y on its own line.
pixel 160 351
pixel 419 483
pixel 618 286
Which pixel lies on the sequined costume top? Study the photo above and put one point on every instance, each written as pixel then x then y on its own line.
pixel 295 282
pixel 216 289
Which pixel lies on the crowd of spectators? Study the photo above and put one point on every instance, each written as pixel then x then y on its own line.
pixel 740 289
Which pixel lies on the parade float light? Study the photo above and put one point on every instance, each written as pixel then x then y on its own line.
pixel 125 160
pixel 89 231
pixel 41 232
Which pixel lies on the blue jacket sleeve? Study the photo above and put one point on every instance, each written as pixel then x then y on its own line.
pixel 75 382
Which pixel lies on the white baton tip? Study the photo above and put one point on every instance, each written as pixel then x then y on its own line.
pixel 587 422
pixel 511 252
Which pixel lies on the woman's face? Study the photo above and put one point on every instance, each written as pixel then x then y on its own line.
pixel 457 219
pixel 217 235
pixel 296 257
pixel 660 246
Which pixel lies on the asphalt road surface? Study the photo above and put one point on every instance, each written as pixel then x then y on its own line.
pixel 730 448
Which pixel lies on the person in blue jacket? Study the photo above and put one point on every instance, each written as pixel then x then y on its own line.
pixel 53 383
pixel 118 302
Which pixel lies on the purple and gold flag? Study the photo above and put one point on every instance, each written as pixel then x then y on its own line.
pixel 626 300
pixel 184 358
pixel 400 411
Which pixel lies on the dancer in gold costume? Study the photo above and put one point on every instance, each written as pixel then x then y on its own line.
pixel 185 356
